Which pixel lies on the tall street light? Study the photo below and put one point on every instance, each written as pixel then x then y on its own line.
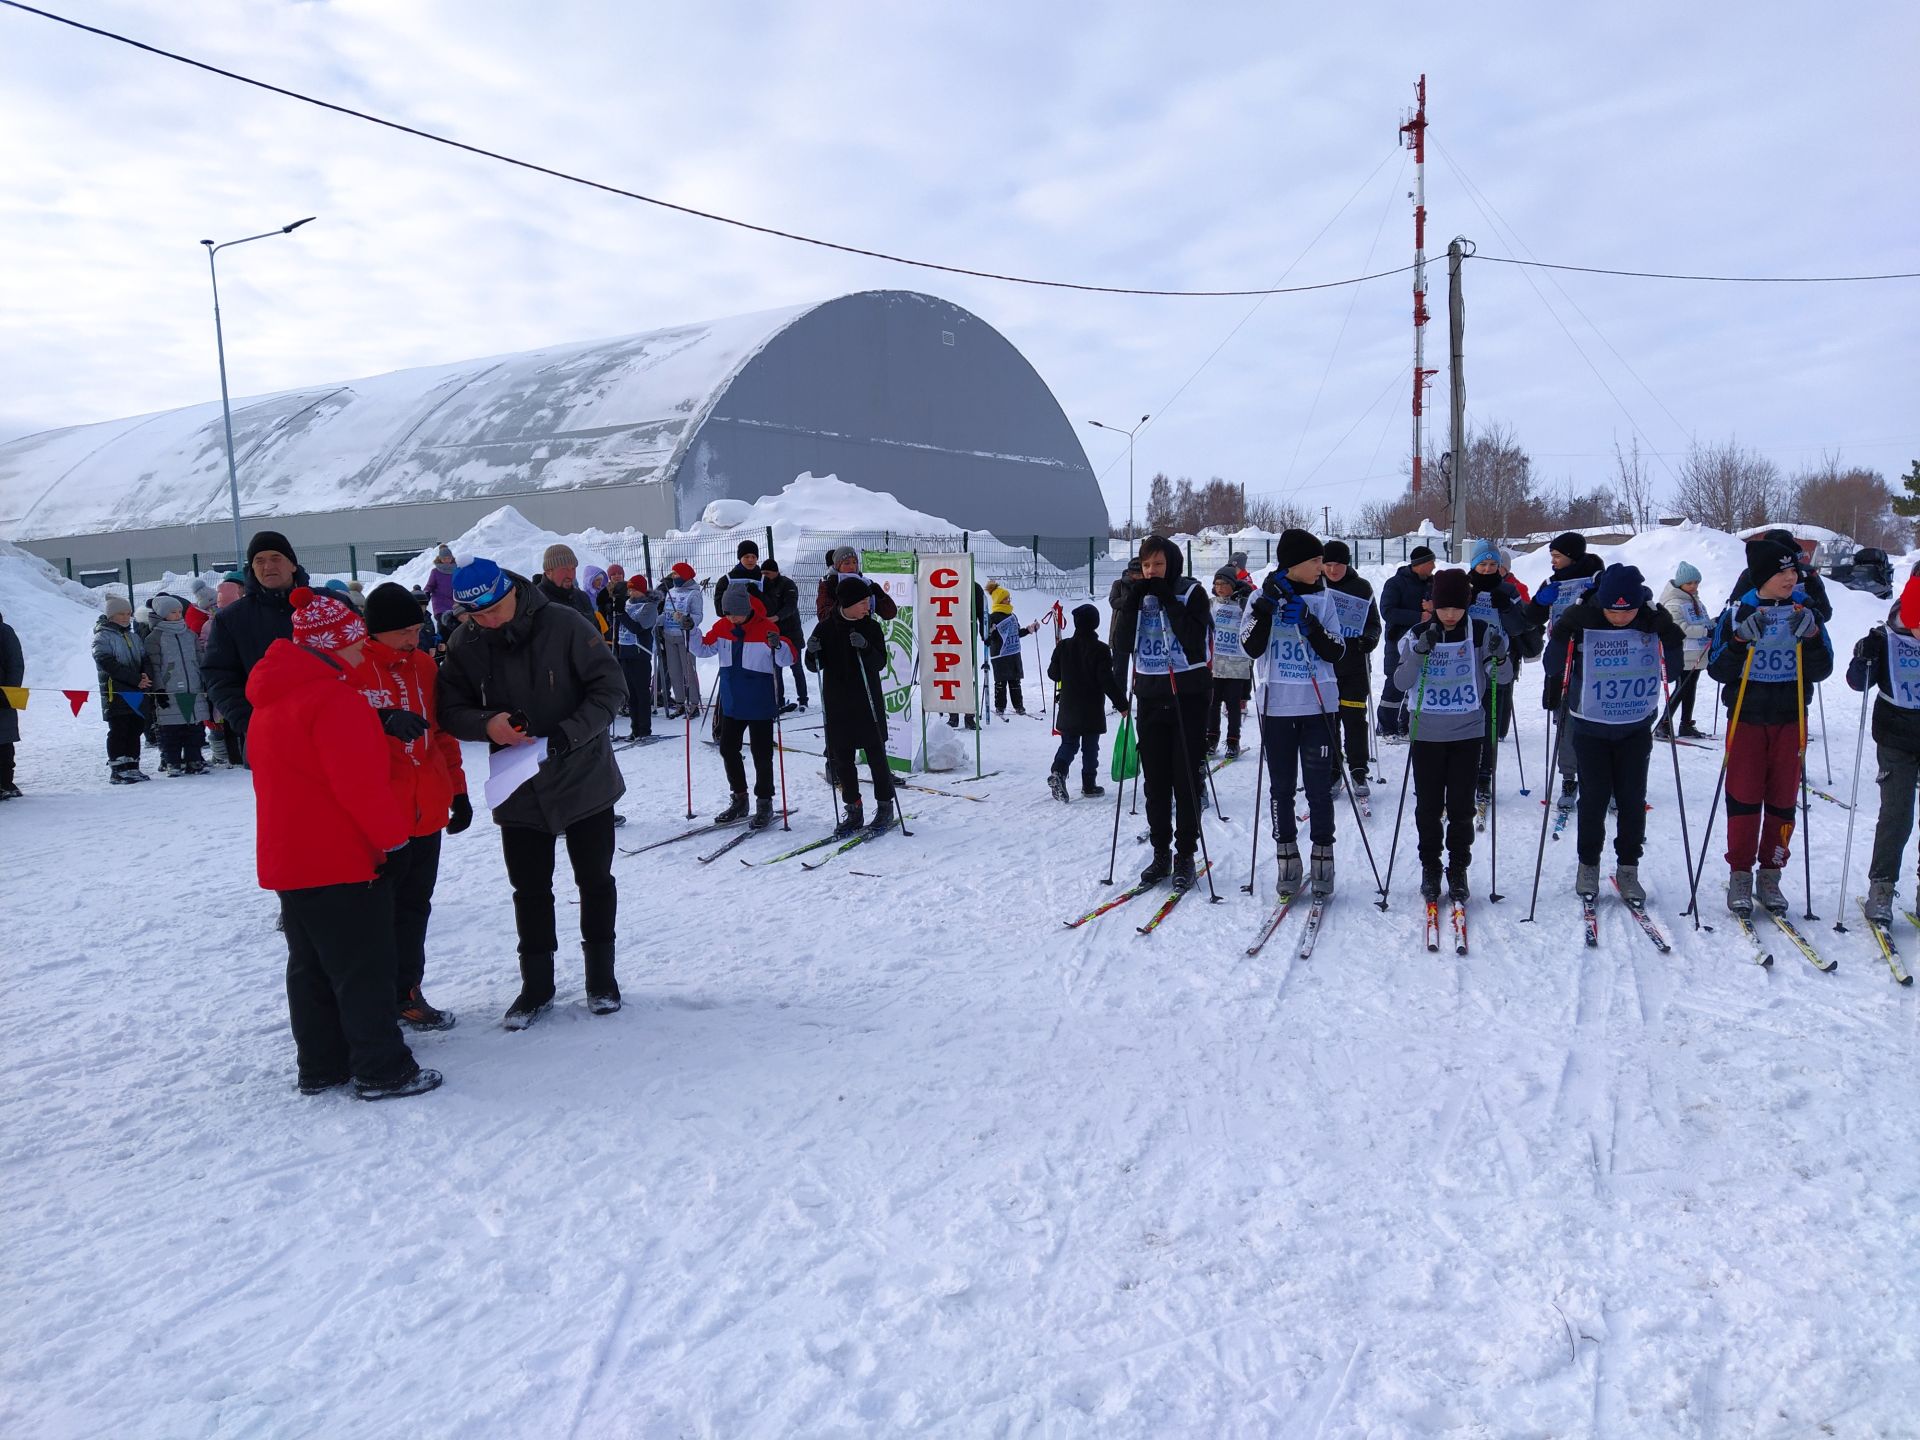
pixel 226 407
pixel 1118 430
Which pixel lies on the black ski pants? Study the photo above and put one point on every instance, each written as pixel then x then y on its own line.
pixel 529 857
pixel 1000 689
pixel 1350 738
pixel 637 666
pixel 799 678
pixel 1682 698
pixel 843 756
pixel 124 733
pixel 1232 693
pixel 180 744
pixel 759 735
pixel 1612 767
pixel 411 873
pixel 1899 774
pixel 340 992
pixel 6 763
pixel 1171 776
pixel 1443 776
pixel 1300 750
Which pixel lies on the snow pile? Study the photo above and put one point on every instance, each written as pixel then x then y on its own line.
pixel 820 504
pixel 513 542
pixel 52 615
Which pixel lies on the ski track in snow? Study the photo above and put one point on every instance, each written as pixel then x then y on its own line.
pixel 903 1156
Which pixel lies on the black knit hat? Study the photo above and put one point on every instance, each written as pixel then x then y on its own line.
pixel 746 548
pixel 1451 590
pixel 1621 587
pixel 1572 544
pixel 1295 547
pixel 1228 574
pixel 391 607
pixel 1337 553
pixel 270 540
pixel 1420 556
pixel 850 590
pixel 1767 558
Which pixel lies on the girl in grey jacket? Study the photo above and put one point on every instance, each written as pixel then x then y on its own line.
pixel 179 694
pixel 1681 599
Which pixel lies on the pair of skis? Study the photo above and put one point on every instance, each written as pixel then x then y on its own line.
pixel 1763 956
pixel 1134 892
pixel 1309 930
pixel 1459 921
pixel 1590 920
pixel 1889 952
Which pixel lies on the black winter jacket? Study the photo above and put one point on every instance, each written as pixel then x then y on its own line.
pixel 1565 672
pixel 1275 591
pixel 1767 702
pixel 781 595
pixel 549 665
pixel 1351 668
pixel 1082 666
pixel 236 639
pixel 1892 724
pixel 569 595
pixel 850 677
pixel 1189 613
pixel 1400 601
pixel 13 674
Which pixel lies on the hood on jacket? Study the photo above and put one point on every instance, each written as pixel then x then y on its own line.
pixel 285 670
pixel 755 627
pixel 1176 562
pixel 1086 620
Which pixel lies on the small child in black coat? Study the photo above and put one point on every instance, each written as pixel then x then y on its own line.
pixel 1082 671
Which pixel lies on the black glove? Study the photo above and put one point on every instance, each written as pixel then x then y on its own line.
pixel 1159 587
pixel 619 589
pixel 1502 597
pixel 856 640
pixel 1550 694
pixel 403 725
pixel 462 815
pixel 558 744
pixel 813 652
pixel 1426 636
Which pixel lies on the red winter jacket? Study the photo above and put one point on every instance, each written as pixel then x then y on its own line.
pixel 324 811
pixel 426 773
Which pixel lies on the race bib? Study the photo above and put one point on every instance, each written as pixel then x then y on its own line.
pixel 1155 651
pixel 1450 683
pixel 1570 594
pixel 1227 619
pixel 1776 657
pixel 1351 612
pixel 1482 608
pixel 1903 671
pixel 1289 661
pixel 1619 677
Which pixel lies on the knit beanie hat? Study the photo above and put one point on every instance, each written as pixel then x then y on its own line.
pixel 556 557
pixel 1295 547
pixel 201 594
pixel 1767 558
pixel 1484 551
pixel 1086 620
pixel 842 554
pixel 480 583
pixel 323 621
pixel 1685 574
pixel 1228 574
pixel 443 556
pixel 1420 556
pixel 746 548
pixel 270 540
pixel 1621 587
pixel 117 604
pixel 1000 602
pixel 392 607
pixel 737 603
pixel 681 570
pixel 337 585
pixel 850 590
pixel 167 607
pixel 1338 552
pixel 1451 591
pixel 1571 544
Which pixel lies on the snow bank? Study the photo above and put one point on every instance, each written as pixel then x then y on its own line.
pixel 512 541
pixel 52 615
pixel 818 503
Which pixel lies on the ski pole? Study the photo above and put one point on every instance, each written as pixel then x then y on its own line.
pixel 1853 796
pixel 1493 801
pixel 1556 727
pixel 1820 697
pixel 1347 784
pixel 879 704
pixel 1120 790
pixel 1519 751
pixel 1726 758
pixel 1259 775
pixel 1400 810
pixel 1193 789
pixel 780 744
pixel 1806 801
pixel 1040 671
pixel 1673 747
pixel 686 725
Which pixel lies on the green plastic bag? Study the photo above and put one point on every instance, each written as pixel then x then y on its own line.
pixel 1126 755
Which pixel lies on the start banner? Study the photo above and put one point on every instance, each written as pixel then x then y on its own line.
pixel 949 662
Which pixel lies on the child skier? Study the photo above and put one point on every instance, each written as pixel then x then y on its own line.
pixel 1496 603
pixel 681 612
pixel 1445 666
pixel 1161 626
pixel 1605 655
pixel 1232 666
pixel 848 651
pixel 1681 599
pixel 1296 626
pixel 1887 659
pixel 179 695
pixel 1769 649
pixel 750 647
pixel 1573 574
pixel 1360 628
pixel 1004 634
pixel 1082 667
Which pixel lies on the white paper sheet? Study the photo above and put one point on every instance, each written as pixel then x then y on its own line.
pixel 509 769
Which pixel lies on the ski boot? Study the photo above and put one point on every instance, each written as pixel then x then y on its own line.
pixel 883 816
pixel 1457 888
pixel 417 1014
pixel 1361 790
pixel 1183 874
pixel 536 991
pixel 1586 881
pixel 1482 795
pixel 603 991
pixel 737 810
pixel 418 1083
pixel 320 1084
pixel 1158 868
pixel 1430 882
pixel 1627 879
pixel 1880 901
pixel 852 822
pixel 1233 749
pixel 1569 793
pixel 1663 731
pixel 1691 731
pixel 1091 787
pixel 1321 870
pixel 1740 891
pixel 1213 746
pixel 1057 786
pixel 762 813
pixel 1767 891
pixel 1291 873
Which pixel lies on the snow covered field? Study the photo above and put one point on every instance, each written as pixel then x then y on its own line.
pixel 885 1150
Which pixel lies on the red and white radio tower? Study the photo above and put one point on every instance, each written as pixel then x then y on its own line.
pixel 1415 133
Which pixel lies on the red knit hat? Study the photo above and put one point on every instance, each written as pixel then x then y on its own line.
pixel 324 622
pixel 683 570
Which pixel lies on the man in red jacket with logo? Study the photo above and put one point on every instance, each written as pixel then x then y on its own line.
pixel 428 781
pixel 327 819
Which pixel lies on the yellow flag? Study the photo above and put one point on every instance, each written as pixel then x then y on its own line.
pixel 16 695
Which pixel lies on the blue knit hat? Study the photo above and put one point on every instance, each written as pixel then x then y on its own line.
pixel 1484 551
pixel 1685 574
pixel 480 583
pixel 1621 587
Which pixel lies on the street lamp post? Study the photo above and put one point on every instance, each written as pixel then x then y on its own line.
pixel 1119 430
pixel 226 407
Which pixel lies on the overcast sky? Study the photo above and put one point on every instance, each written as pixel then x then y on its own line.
pixel 1162 146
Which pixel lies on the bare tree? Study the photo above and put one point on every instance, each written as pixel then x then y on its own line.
pixel 1264 512
pixel 1636 484
pixel 1727 487
pixel 1854 501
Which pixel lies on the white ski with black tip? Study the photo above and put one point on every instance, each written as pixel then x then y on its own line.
pixel 1590 918
pixel 1644 921
pixel 1310 931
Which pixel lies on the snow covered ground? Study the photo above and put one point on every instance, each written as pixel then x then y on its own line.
pixel 883 1149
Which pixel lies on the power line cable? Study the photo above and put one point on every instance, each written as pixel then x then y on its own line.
pixel 1668 275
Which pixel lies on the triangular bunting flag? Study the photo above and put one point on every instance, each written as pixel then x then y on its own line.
pixel 16 695
pixel 183 702
pixel 76 698
pixel 135 701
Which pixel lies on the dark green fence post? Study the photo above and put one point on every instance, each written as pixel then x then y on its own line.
pixel 770 554
pixel 1189 557
pixel 196 562
pixel 69 567
pixel 646 559
pixel 353 562
pixel 1036 562
pixel 130 600
pixel 1090 564
pixel 965 537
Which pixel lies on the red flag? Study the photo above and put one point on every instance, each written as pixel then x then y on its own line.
pixel 76 698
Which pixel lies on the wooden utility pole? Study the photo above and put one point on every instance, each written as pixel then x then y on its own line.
pixel 1457 251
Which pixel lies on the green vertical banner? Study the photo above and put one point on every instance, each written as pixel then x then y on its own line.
pixel 893 572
